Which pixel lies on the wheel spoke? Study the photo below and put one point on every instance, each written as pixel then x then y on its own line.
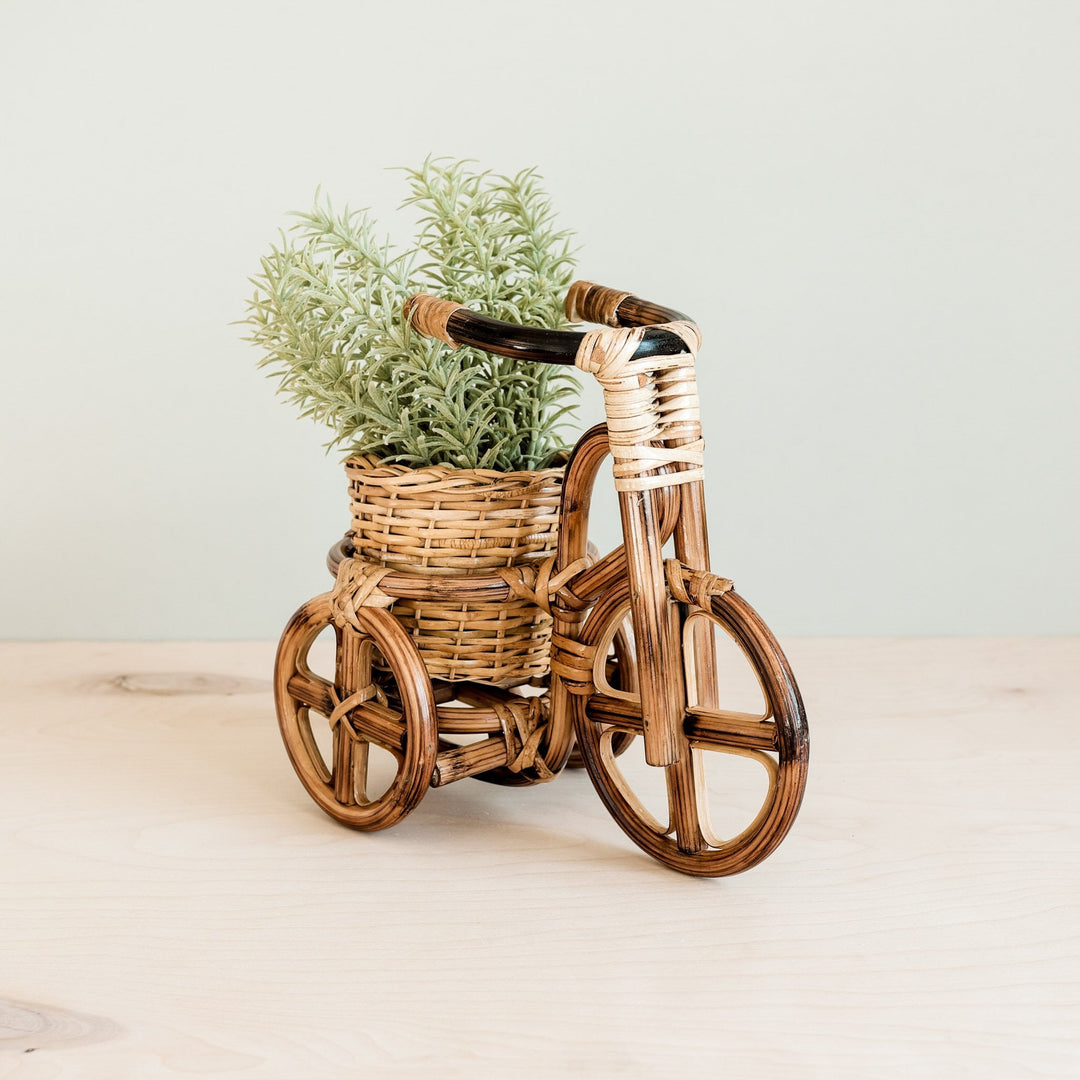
pixel 688 802
pixel 618 713
pixel 726 729
pixel 360 756
pixel 308 689
pixel 708 729
pixel 345 745
pixel 380 724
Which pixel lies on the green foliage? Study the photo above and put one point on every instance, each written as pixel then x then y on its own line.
pixel 327 315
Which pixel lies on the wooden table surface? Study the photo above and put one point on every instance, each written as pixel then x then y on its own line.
pixel 174 905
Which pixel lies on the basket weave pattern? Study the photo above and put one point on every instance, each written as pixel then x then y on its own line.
pixel 439 521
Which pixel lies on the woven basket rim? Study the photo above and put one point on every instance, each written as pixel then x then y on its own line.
pixel 381 470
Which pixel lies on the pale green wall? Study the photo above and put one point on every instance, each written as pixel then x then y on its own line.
pixel 872 209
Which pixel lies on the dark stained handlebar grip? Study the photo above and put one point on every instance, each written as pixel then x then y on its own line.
pixel 458 325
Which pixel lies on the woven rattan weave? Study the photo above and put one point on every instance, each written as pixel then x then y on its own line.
pixel 444 522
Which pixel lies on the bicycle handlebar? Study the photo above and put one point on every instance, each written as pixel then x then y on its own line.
pixel 585 302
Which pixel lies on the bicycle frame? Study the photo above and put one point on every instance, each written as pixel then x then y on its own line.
pixel 662 696
pixel 668 690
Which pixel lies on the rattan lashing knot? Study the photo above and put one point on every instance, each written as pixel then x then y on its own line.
pixel 651 403
pixel 536 582
pixel 588 302
pixel 609 353
pixel 524 727
pixel 342 707
pixel 357 586
pixel 429 315
pixel 697 587
pixel 573 662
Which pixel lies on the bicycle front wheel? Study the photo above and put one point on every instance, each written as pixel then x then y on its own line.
pixel 689 815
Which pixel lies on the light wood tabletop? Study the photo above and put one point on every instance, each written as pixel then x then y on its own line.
pixel 174 904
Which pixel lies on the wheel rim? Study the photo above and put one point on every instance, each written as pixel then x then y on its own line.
pixel 777 740
pixel 356 716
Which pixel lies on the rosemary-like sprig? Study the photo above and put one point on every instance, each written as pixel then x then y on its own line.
pixel 327 315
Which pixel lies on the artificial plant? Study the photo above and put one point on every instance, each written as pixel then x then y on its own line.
pixel 327 314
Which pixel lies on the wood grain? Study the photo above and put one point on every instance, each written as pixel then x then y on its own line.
pixel 166 882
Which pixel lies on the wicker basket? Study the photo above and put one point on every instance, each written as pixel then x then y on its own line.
pixel 440 521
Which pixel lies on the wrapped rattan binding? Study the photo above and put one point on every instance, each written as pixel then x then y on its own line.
pixel 437 522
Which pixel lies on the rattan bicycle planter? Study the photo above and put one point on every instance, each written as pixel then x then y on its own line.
pixel 469 603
